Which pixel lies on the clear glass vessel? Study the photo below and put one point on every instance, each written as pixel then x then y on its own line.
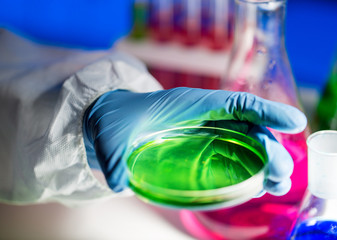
pixel 259 64
pixel 161 19
pixel 218 23
pixel 196 167
pixel 188 21
pixel 318 215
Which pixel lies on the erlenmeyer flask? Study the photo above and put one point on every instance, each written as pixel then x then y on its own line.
pixel 326 115
pixel 318 214
pixel 259 65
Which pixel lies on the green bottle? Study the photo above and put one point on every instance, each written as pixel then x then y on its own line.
pixel 326 115
pixel 140 19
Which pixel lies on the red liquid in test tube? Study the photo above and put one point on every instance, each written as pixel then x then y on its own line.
pixel 167 78
pixel 161 20
pixel 186 79
pixel 217 23
pixel 211 82
pixel 188 21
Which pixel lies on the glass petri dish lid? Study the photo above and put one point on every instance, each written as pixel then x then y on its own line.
pixel 196 168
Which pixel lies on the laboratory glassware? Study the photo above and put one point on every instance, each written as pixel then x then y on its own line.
pixel 196 168
pixel 259 65
pixel 186 79
pixel 217 23
pixel 326 113
pixel 161 20
pixel 318 214
pixel 166 77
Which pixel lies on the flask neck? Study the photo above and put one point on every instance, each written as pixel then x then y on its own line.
pixel 260 23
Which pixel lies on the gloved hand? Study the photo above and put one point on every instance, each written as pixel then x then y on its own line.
pixel 116 117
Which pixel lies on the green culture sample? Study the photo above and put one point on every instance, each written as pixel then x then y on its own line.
pixel 163 169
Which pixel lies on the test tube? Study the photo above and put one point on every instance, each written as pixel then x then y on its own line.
pixel 211 82
pixel 188 79
pixel 167 78
pixel 161 20
pixel 188 21
pixel 217 23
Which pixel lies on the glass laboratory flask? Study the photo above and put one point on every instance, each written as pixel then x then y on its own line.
pixel 318 214
pixel 326 114
pixel 259 65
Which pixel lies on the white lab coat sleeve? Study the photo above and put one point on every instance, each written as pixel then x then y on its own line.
pixel 49 160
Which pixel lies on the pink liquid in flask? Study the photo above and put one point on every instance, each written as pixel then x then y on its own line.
pixel 268 217
pixel 259 65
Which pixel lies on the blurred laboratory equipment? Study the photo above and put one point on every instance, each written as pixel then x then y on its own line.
pixel 140 19
pixel 326 114
pixel 259 65
pixel 182 39
pixel 188 21
pixel 161 19
pixel 217 23
pixel 318 214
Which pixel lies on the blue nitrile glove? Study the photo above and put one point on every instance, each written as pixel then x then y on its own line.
pixel 70 23
pixel 116 117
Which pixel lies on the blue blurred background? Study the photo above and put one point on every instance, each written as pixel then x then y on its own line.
pixel 311 40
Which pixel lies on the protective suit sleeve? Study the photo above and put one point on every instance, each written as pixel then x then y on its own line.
pixel 42 155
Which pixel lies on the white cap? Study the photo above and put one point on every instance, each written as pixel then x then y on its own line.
pixel 322 164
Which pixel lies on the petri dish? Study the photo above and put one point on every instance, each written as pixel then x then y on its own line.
pixel 196 168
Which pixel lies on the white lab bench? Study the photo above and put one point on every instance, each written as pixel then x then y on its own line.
pixel 119 218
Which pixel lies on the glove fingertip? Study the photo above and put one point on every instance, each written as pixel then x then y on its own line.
pixel 299 122
pixel 278 188
pixel 289 119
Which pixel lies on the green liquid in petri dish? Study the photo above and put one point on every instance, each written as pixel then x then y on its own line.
pixel 188 163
